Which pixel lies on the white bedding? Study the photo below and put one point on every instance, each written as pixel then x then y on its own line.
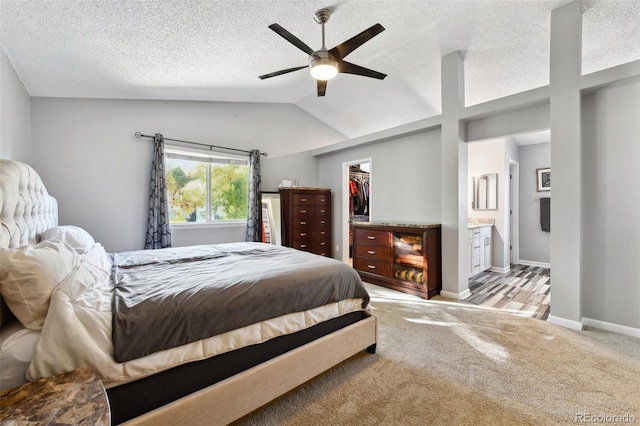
pixel 77 330
pixel 17 346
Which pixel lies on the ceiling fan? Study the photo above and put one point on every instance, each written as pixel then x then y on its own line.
pixel 325 64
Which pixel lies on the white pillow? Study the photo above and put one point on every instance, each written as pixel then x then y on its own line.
pixel 28 276
pixel 75 236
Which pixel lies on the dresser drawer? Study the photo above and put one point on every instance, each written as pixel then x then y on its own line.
pixel 317 246
pixel 368 236
pixel 372 266
pixel 373 252
pixel 310 210
pixel 311 199
pixel 315 227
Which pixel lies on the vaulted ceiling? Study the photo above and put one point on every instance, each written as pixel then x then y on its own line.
pixel 215 51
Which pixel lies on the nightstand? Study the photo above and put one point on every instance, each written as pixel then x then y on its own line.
pixel 74 398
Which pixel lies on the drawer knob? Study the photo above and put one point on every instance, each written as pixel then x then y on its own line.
pixel 371 266
pixel 303 223
pixel 371 237
pixel 302 234
pixel 322 233
pixel 322 243
pixel 371 252
pixel 303 245
pixel 303 199
pixel 322 222
pixel 303 211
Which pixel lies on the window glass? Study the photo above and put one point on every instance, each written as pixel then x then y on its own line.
pixel 206 188
pixel 229 191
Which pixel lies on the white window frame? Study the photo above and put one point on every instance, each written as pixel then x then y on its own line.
pixel 206 156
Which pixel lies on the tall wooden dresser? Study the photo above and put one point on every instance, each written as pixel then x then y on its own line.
pixel 306 219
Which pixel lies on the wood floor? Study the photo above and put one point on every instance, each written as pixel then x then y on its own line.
pixel 523 290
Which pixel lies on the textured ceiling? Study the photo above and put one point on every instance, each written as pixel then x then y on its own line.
pixel 215 50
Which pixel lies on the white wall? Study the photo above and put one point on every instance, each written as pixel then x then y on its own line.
pixel 88 157
pixel 535 245
pixel 15 115
pixel 611 211
pixel 489 157
pixel 405 181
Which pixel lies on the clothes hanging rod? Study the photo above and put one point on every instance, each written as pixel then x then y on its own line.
pixel 140 135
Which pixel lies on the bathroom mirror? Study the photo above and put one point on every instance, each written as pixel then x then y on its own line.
pixel 485 192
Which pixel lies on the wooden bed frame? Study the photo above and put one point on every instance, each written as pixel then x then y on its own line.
pixel 21 190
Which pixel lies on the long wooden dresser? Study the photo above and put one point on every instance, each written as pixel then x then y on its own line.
pixel 404 257
pixel 306 219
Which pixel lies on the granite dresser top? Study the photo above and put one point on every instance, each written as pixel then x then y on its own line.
pixel 398 224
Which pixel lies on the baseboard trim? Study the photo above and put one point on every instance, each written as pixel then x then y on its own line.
pixel 532 263
pixel 503 270
pixel 455 296
pixel 609 326
pixel 566 323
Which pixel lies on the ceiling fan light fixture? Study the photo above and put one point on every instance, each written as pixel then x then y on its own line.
pixel 323 69
pixel 325 64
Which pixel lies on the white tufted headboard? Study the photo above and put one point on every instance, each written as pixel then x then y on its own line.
pixel 26 208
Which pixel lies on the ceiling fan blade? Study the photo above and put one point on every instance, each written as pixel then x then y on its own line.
pixel 288 70
pixel 291 38
pixel 342 50
pixel 322 87
pixel 349 68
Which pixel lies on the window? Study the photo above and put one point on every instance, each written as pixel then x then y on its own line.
pixel 206 187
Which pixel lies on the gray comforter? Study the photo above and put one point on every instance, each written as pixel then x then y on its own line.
pixel 169 297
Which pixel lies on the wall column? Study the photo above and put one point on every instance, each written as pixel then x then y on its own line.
pixel 566 166
pixel 454 203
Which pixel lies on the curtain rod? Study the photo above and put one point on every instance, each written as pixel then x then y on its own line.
pixel 140 135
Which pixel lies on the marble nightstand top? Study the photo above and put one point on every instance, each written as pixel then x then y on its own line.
pixel 74 398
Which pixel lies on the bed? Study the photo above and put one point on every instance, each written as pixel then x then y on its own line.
pixel 206 362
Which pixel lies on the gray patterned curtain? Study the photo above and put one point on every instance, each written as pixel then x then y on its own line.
pixel 158 231
pixel 254 215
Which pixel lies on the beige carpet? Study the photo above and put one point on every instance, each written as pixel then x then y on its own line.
pixel 448 363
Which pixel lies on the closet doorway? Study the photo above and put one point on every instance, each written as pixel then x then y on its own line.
pixel 356 200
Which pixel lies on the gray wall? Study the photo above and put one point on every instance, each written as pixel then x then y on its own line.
pixel 405 181
pixel 15 114
pixel 535 245
pixel 87 155
pixel 611 253
pixel 301 166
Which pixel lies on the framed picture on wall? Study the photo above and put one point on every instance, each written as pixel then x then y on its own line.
pixel 543 179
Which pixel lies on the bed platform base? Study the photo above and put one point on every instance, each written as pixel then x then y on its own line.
pixel 239 395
